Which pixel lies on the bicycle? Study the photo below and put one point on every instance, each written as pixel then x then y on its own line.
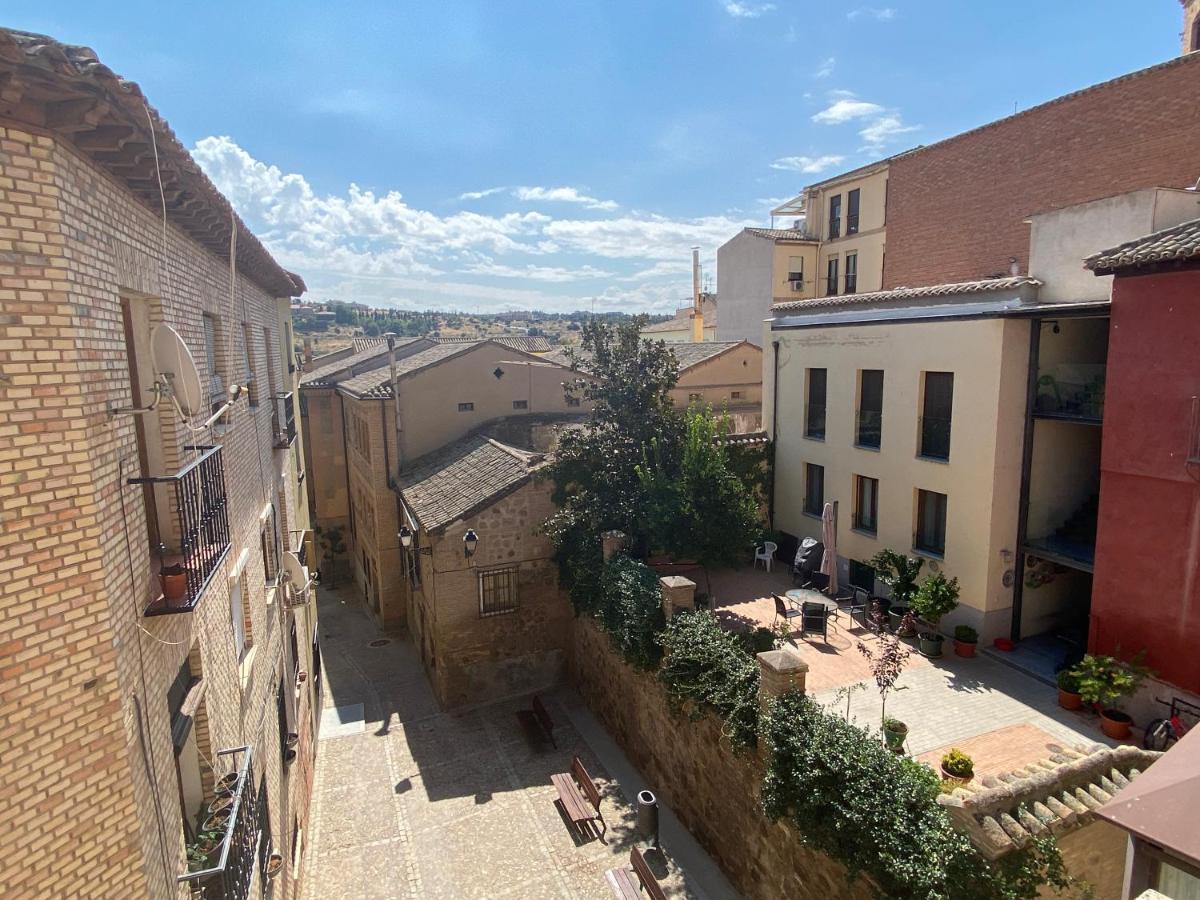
pixel 1162 733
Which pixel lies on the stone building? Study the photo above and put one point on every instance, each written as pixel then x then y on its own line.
pixel 124 692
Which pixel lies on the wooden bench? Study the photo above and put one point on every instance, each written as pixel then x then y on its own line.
pixel 628 883
pixel 579 796
pixel 537 721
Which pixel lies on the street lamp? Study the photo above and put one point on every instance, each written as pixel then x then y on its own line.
pixel 470 542
pixel 406 536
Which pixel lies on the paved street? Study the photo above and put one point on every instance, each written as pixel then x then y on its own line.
pixel 410 802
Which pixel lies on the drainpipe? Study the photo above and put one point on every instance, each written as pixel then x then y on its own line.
pixel 1035 339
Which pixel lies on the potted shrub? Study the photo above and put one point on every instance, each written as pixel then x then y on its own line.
pixel 887 662
pixel 936 596
pixel 1068 689
pixel 216 822
pixel 173 580
pixel 894 734
pixel 957 766
pixel 1103 680
pixel 226 783
pixel 965 639
pixel 899 573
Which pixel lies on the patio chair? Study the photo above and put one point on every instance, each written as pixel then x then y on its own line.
pixel 766 553
pixel 785 610
pixel 814 617
pixel 856 602
pixel 818 581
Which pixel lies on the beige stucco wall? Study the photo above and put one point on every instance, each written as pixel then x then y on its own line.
pixel 781 267
pixel 682 334
pixel 325 462
pixel 868 243
pixel 981 480
pixel 736 370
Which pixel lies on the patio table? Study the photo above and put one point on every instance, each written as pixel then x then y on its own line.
pixel 808 595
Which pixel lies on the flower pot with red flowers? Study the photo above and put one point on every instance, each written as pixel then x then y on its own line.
pixel 1068 690
pixel 965 639
pixel 957 766
pixel 1103 680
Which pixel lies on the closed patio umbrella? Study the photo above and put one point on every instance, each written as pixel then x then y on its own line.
pixel 829 539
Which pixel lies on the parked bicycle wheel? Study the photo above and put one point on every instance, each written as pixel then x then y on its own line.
pixel 1159 735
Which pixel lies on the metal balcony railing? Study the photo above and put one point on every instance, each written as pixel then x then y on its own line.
pixel 814 421
pixel 200 519
pixel 231 863
pixel 868 428
pixel 1071 391
pixel 283 420
pixel 935 438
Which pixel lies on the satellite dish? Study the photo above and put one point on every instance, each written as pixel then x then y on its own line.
pixel 173 360
pixel 297 574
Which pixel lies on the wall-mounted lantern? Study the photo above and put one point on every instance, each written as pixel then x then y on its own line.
pixel 406 537
pixel 470 542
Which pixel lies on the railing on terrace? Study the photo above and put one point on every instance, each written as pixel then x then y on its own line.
pixel 200 518
pixel 283 420
pixel 868 431
pixel 1071 391
pixel 935 438
pixel 231 868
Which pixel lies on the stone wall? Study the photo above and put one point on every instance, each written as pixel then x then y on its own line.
pixel 713 791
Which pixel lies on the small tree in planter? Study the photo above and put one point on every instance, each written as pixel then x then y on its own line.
pixel 1068 689
pixel 887 662
pixel 1103 680
pixel 936 596
pixel 899 573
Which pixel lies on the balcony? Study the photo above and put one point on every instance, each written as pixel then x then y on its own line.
pixel 935 438
pixel 283 420
pixel 1072 392
pixel 193 539
pixel 221 860
pixel 868 429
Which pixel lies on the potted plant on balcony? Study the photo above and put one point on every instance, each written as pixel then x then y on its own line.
pixel 1103 680
pixel 965 639
pixel 227 783
pixel 173 580
pixel 937 596
pixel 899 573
pixel 1068 689
pixel 957 766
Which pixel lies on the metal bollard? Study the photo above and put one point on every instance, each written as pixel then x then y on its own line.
pixel 647 816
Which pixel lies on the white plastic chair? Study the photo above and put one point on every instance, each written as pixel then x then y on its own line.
pixel 766 553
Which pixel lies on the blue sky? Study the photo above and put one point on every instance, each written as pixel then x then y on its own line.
pixel 492 155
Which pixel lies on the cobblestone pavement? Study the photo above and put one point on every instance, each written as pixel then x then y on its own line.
pixel 412 802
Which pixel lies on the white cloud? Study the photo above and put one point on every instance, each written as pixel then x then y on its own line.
pixel 375 248
pixel 562 195
pixel 479 195
pixel 825 69
pixel 883 130
pixel 846 109
pixel 879 14
pixel 747 10
pixel 809 165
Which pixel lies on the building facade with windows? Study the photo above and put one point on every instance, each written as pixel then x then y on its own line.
pixel 757 267
pixel 154 649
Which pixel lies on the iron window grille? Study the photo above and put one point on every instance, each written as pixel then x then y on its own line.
pixel 230 876
pixel 466 407
pixel 498 591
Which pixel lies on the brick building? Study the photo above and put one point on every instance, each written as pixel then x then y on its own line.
pixel 121 688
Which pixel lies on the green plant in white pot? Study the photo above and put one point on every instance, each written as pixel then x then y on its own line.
pixel 937 596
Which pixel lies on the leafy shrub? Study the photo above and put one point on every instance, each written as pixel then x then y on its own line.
pixel 878 813
pixel 1068 681
pixel 898 572
pixel 958 764
pixel 631 610
pixel 937 596
pixel 966 634
pixel 1106 679
pixel 757 641
pixel 707 665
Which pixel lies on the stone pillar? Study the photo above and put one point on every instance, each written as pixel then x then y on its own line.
pixel 612 542
pixel 780 671
pixel 677 593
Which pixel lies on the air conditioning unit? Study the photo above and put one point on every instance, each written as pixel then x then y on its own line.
pixel 797 284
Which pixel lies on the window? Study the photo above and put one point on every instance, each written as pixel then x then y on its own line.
pixel 268 343
pixel 212 356
pixel 360 437
pixel 814 413
pixel 852 212
pixel 851 273
pixel 268 538
pixel 835 216
pixel 695 398
pixel 866 503
pixel 869 427
pixel 831 277
pixel 263 825
pixel 814 489
pixel 466 407
pixel 248 364
pixel 931 522
pixel 572 401
pixel 735 395
pixel 796 271
pixel 497 591
pixel 238 614
pixel 935 415
pixel 520 404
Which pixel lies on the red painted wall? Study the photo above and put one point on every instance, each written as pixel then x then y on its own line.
pixel 1146 590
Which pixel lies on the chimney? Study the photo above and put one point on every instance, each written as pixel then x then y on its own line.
pixel 1014 267
pixel 308 356
pixel 697 310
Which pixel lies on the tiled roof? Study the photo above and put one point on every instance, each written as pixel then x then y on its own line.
pixel 690 354
pixel 366 343
pixel 746 439
pixel 558 355
pixel 670 325
pixel 1182 242
pixel 906 293
pixel 790 234
pixel 1062 793
pixel 462 478
pixel 109 120
pixel 377 383
pixel 513 342
pixel 325 375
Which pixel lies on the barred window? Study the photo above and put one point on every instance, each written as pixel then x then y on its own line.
pixel 497 591
pixel 466 407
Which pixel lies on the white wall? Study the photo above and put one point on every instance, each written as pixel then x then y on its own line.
pixel 744 272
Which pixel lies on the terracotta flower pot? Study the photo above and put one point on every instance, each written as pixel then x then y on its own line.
pixel 1115 724
pixel 963 648
pixel 216 822
pixel 226 783
pixel 174 583
pixel 1068 700
pixel 957 779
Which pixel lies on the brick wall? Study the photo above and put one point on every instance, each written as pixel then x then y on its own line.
pixel 956 209
pixel 85 743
